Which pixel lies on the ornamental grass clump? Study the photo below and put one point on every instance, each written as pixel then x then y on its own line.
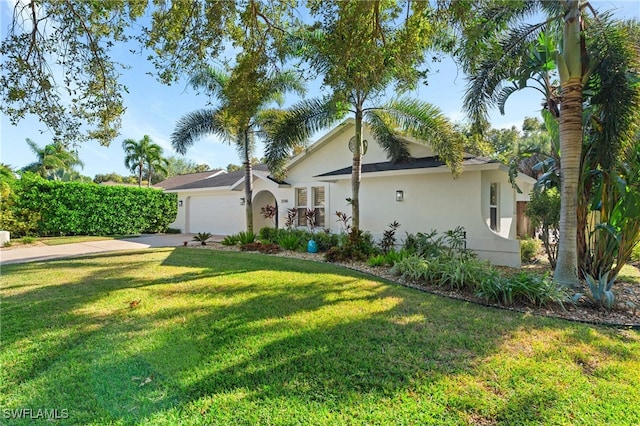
pixel 230 240
pixel 246 237
pixel 526 288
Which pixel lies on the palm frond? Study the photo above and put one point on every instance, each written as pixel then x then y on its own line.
pixel 385 135
pixel 486 84
pixel 503 95
pixel 210 79
pixel 616 76
pixel 197 124
pixel 296 126
pixel 497 13
pixel 426 123
pixel 34 147
pixel 284 82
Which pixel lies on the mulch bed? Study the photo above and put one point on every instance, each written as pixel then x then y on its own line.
pixel 625 313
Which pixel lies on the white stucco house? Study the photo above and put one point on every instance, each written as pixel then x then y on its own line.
pixel 420 194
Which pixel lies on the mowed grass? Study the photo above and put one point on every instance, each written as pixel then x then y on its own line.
pixel 56 241
pixel 238 338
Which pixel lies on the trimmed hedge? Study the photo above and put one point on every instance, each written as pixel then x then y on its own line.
pixel 73 208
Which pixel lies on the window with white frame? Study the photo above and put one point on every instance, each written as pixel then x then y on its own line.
pixel 318 205
pixel 301 206
pixel 494 213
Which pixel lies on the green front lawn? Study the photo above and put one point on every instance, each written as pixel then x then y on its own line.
pixel 56 241
pixel 238 338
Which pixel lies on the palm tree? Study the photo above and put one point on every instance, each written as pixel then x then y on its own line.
pixel 242 115
pixel 53 160
pixel 139 154
pixel 361 48
pixel 501 50
pixel 155 163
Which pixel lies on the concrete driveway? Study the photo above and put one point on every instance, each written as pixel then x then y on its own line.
pixel 38 253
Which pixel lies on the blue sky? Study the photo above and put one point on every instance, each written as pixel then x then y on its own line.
pixel 153 109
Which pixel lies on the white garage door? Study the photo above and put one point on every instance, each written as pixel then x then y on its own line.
pixel 219 215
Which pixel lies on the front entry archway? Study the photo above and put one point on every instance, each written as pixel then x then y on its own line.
pixel 260 200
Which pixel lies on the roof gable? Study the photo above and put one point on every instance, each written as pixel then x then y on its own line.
pixel 331 152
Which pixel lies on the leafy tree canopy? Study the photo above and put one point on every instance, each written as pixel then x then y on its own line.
pixel 57 63
pixel 115 177
pixel 362 47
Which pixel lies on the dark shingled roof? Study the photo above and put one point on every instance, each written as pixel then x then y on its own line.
pixel 414 163
pixel 220 181
pixel 175 181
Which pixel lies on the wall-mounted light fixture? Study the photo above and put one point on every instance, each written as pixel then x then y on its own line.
pixel 242 201
pixel 399 195
pixel 180 203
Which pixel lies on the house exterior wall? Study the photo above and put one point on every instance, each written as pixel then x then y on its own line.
pixel 179 222
pixel 214 211
pixel 433 199
pixel 506 202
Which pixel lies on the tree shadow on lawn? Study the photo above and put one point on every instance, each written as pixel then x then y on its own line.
pixel 234 350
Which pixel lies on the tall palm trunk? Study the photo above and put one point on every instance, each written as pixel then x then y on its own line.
pixel 248 183
pixel 140 175
pixel 570 70
pixel 356 171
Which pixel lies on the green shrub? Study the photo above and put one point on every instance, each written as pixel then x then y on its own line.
pixel 344 254
pixel 423 245
pixel 28 240
pixel 412 267
pixel 269 234
pixel 453 273
pixel 362 242
pixel 246 237
pixel 54 208
pixel 377 260
pixel 544 211
pixel 358 246
pixel 393 256
pixel 290 241
pixel 450 244
pixel 172 231
pixel 7 244
pixel 230 240
pixel 524 288
pixel 459 274
pixel 529 249
pixel 326 240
